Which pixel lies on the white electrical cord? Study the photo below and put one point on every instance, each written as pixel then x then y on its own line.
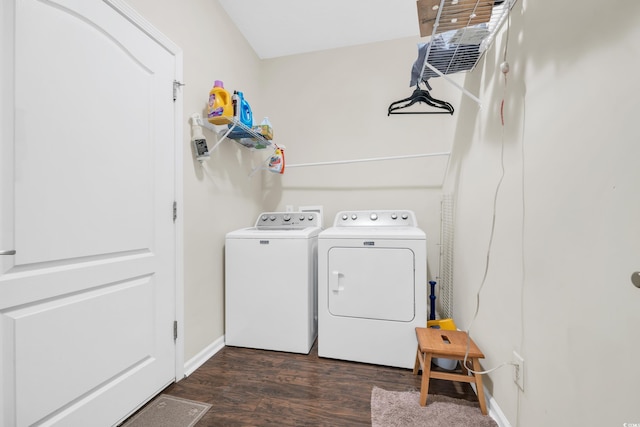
pixel 486 268
pixel 504 68
pixel 523 258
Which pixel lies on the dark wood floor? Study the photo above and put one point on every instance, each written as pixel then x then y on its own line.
pixel 265 388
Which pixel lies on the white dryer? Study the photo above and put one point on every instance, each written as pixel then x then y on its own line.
pixel 372 287
pixel 271 283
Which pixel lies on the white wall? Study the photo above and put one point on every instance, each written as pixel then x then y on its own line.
pixel 332 106
pixel 567 229
pixel 218 196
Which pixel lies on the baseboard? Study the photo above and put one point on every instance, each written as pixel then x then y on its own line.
pixel 493 409
pixel 198 360
pixel 495 412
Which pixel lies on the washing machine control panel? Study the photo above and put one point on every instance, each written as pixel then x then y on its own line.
pixel 287 220
pixel 385 218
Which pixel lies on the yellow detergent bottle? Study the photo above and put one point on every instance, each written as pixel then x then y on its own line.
pixel 220 109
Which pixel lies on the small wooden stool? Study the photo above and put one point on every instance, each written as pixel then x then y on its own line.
pixel 448 345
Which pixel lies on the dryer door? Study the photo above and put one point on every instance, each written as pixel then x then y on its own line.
pixel 372 283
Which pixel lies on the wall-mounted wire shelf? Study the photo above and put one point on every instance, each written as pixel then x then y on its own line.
pixel 461 32
pixel 235 130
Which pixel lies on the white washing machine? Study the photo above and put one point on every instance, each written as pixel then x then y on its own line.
pixel 372 287
pixel 271 283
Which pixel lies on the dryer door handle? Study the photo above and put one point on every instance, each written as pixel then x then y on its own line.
pixel 334 280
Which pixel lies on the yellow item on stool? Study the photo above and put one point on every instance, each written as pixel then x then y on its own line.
pixel 446 324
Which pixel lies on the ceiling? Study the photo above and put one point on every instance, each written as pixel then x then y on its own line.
pixel 287 27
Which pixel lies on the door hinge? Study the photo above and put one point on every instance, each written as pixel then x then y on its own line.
pixel 175 211
pixel 175 330
pixel 176 85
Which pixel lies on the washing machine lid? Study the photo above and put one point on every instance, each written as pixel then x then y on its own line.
pixel 274 233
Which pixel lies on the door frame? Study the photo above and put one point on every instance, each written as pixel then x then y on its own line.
pixel 138 20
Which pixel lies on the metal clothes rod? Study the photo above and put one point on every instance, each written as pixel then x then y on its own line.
pixel 374 159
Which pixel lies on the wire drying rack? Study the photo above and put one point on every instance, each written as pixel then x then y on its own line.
pixel 461 32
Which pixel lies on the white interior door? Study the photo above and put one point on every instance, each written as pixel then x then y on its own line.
pixel 87 302
pixel 372 283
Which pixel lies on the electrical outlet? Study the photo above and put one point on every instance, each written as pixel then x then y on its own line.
pixel 518 370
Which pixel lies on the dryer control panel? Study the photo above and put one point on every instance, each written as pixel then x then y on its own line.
pixel 384 218
pixel 287 220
